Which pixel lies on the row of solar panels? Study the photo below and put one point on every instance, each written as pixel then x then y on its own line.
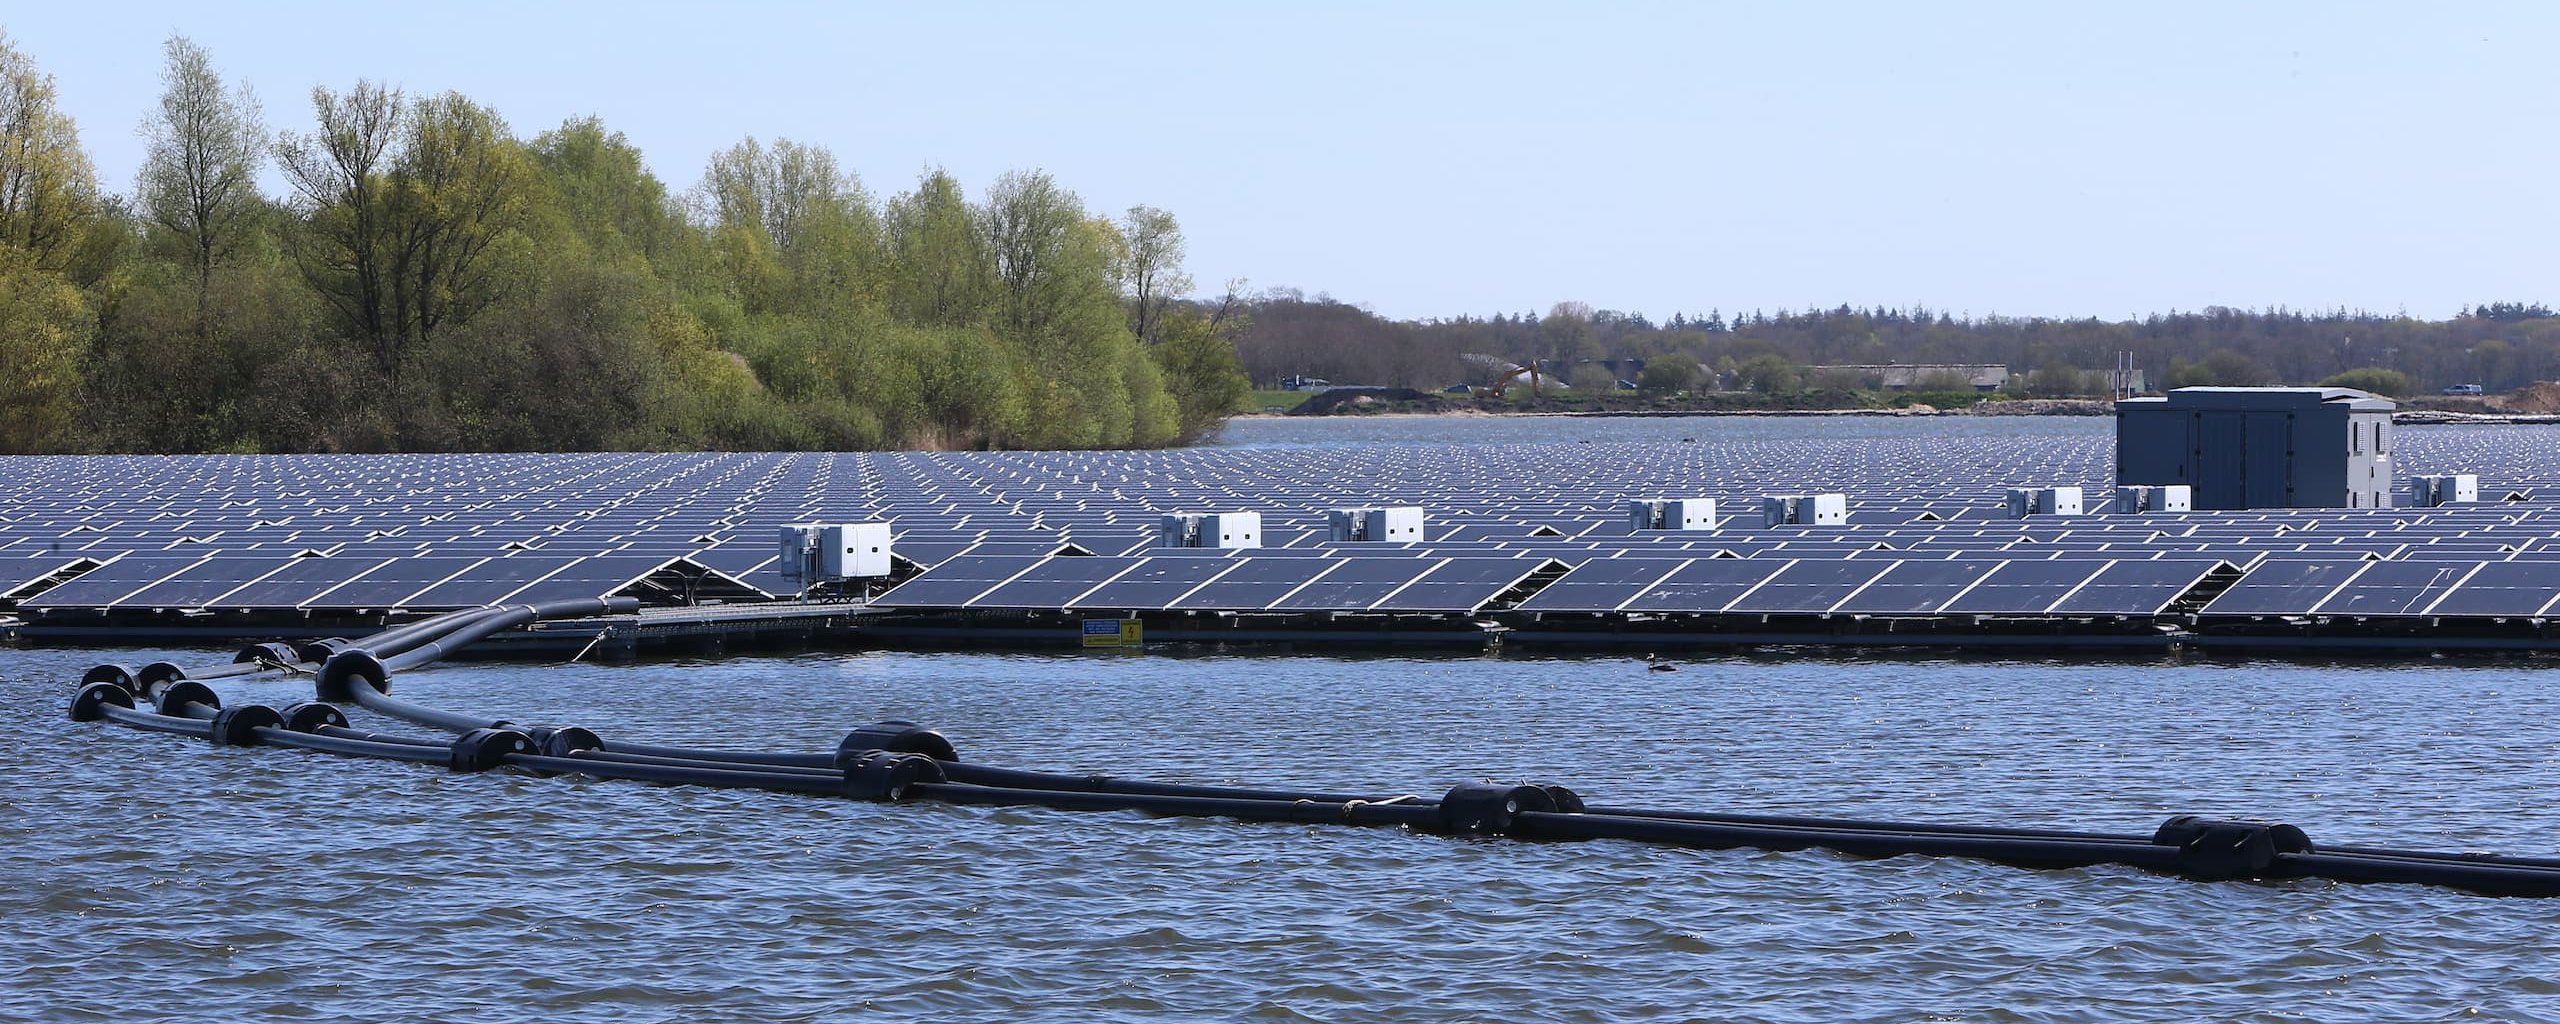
pixel 1731 586
pixel 1623 585
pixel 418 583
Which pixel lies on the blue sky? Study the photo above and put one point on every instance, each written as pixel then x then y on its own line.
pixel 1429 159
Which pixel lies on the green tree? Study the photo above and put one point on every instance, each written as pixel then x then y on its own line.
pixel 459 198
pixel 2058 379
pixel 794 206
pixel 48 193
pixel 1563 338
pixel 343 244
pixel 1151 273
pixel 43 322
pixel 604 191
pixel 2220 368
pixel 199 180
pixel 1593 380
pixel 2371 378
pixel 1198 357
pixel 1056 304
pixel 940 271
pixel 1767 373
pixel 414 215
pixel 1665 374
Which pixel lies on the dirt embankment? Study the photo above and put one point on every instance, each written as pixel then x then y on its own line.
pixel 2538 402
pixel 2541 398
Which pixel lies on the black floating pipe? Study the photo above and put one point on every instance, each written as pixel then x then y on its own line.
pixel 2048 853
pixel 1307 811
pixel 501 619
pixel 407 635
pixel 896 760
pixel 351 746
pixel 769 759
pixel 622 757
pixel 148 721
pixel 463 635
pixel 364 695
pixel 731 778
pixel 1059 782
pixel 1801 821
pixel 351 670
pixel 2484 875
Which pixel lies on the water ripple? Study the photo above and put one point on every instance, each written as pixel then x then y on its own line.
pixel 150 878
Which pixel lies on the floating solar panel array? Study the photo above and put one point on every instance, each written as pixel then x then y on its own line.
pixel 1528 531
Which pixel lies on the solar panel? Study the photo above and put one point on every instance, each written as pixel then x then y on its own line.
pixel 592 577
pixel 2284 588
pixel 1918 587
pixel 955 582
pixel 1809 587
pixel 200 584
pixel 2502 589
pixel 1254 583
pixel 1922 499
pixel 2396 588
pixel 301 580
pixel 22 573
pixel 1462 585
pixel 390 584
pixel 1602 584
pixel 1356 583
pixel 1055 582
pixel 1706 585
pixel 2136 587
pixel 1155 583
pixel 2024 587
pixel 107 584
pixel 492 581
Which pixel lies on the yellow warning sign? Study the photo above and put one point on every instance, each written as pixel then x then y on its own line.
pixel 1111 633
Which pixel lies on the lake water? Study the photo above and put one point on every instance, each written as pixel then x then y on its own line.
pixel 150 878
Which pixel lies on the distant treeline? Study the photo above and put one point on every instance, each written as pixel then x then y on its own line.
pixel 432 281
pixel 2500 345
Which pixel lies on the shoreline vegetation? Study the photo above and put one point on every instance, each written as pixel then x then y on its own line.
pixel 2534 405
pixel 1865 358
pixel 431 279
